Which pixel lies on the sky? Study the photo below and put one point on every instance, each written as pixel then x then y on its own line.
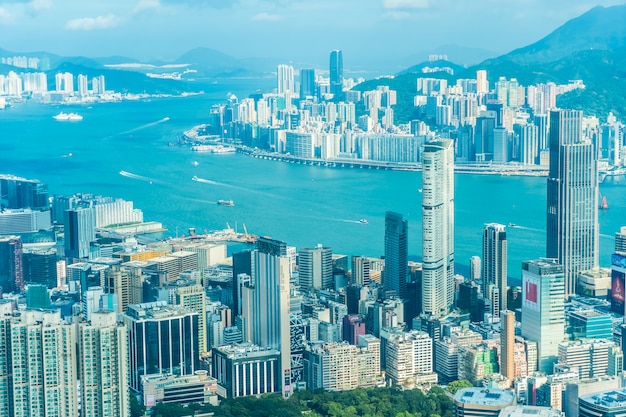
pixel 293 30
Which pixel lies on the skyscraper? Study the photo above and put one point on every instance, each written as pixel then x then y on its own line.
pixel 194 298
pixel 285 79
pixel 265 303
pixel 103 350
pixel 40 266
pixel 507 344
pixel 336 73
pixel 315 266
pixel 396 253
pixel 43 364
pixel 80 231
pixel 494 265
pixel 438 227
pixel 572 197
pixel 162 339
pixel 543 309
pixel 11 271
pixel 307 83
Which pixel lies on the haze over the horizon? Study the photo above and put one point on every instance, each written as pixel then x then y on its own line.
pixel 297 30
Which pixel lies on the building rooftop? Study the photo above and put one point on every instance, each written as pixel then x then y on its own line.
pixel 482 396
pixel 246 350
pixel 529 411
pixel 609 399
pixel 156 310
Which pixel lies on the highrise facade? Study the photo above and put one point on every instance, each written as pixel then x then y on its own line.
pixel 315 267
pixel 40 267
pixel 40 348
pixel 543 310
pixel 396 254
pixel 437 227
pixel 336 73
pixel 331 366
pixel 494 267
pixel 162 339
pixel 194 298
pixel 285 79
pixel 572 197
pixel 11 270
pixel 79 231
pixel 104 372
pixel 307 83
pixel 265 303
pixel 507 344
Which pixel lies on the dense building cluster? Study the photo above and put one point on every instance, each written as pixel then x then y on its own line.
pixel 325 119
pixel 89 312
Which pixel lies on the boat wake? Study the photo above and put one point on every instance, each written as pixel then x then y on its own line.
pixel 223 184
pixel 136 177
pixel 147 125
pixel 205 181
pixel 526 228
pixel 348 221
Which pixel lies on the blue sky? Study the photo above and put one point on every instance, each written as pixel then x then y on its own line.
pixel 295 30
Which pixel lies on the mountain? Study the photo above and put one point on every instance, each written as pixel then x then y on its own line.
pixel 424 68
pixel 591 47
pixel 125 81
pixel 600 28
pixel 212 63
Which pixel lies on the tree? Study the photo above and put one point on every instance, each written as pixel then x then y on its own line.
pixel 136 408
pixel 454 386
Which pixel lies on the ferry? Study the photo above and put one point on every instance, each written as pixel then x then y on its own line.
pixel 363 221
pixel 224 149
pixel 72 117
pixel 228 203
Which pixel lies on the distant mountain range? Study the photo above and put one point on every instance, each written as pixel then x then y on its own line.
pixel 591 47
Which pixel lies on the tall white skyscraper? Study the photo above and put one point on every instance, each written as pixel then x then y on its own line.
pixel 438 227
pixel 98 84
pixel 83 85
pixel 285 79
pixel 64 82
pixel 543 310
pixel 572 197
pixel 104 372
pixel 482 84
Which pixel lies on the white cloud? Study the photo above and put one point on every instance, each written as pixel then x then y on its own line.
pixel 94 23
pixel 147 5
pixel 5 16
pixel 397 15
pixel 38 5
pixel 405 4
pixel 266 17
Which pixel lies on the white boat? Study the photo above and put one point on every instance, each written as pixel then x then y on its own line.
pixel 72 117
pixel 363 221
pixel 224 149
pixel 228 203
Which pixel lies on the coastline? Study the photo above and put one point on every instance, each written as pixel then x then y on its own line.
pixel 193 137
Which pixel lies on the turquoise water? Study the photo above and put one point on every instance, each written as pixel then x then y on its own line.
pixel 302 205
